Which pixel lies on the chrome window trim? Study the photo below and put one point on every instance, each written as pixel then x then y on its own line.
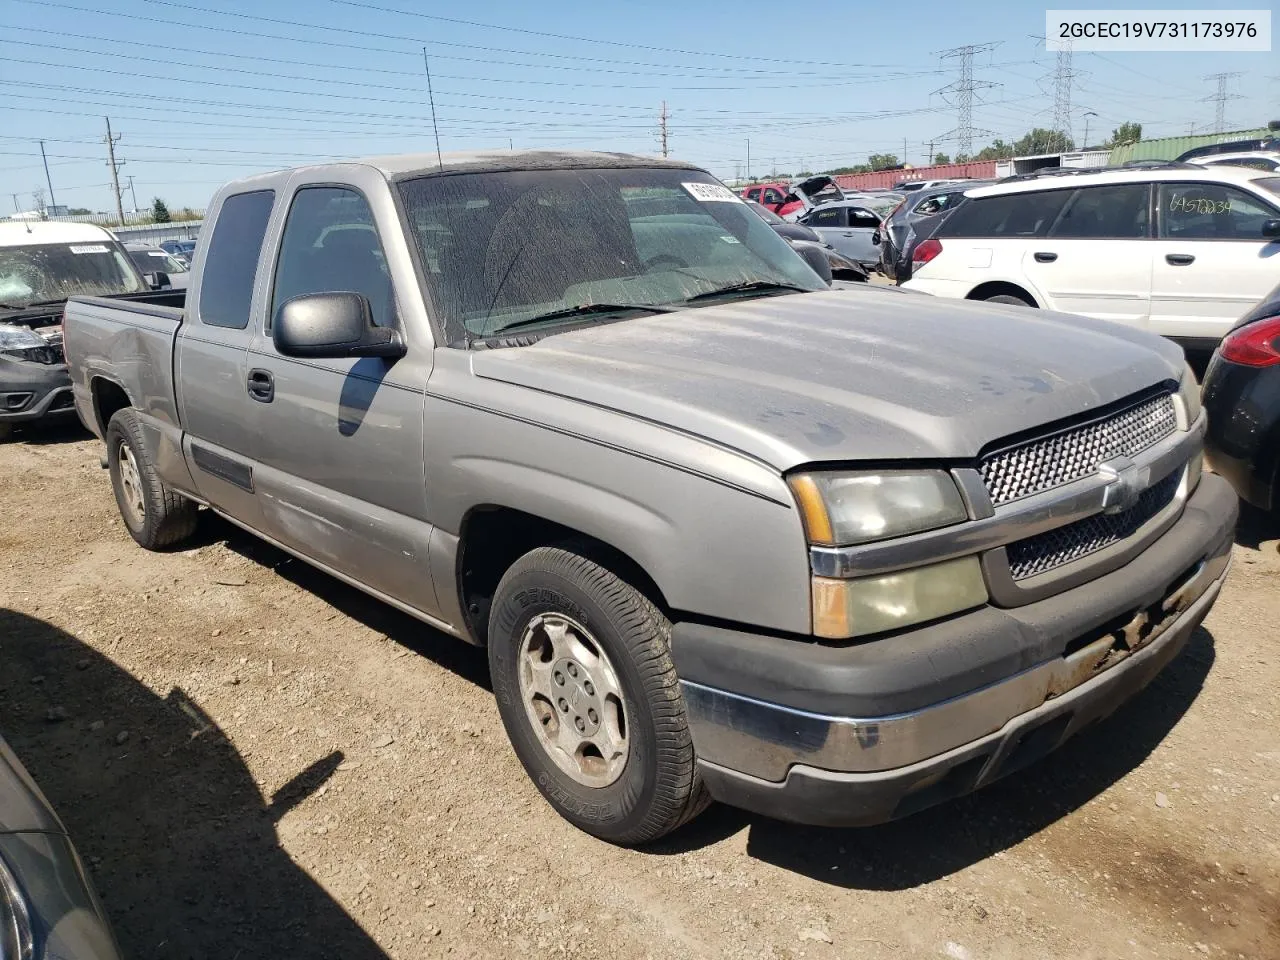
pixel 1014 521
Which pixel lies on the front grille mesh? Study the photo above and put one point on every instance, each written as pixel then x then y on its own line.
pixel 1075 453
pixel 1044 552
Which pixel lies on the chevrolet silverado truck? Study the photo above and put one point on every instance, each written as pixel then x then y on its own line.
pixel 41 264
pixel 832 555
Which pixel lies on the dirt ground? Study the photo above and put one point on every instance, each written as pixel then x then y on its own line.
pixel 257 761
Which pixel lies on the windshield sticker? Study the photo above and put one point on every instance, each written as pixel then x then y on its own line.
pixel 711 193
pixel 728 239
pixel 95 248
pixel 156 253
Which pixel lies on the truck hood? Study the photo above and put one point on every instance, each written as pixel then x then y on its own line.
pixel 852 374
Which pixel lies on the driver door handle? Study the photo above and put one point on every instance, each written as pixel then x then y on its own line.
pixel 262 385
pixel 1044 257
pixel 1179 259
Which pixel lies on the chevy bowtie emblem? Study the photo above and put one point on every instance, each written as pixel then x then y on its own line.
pixel 1125 483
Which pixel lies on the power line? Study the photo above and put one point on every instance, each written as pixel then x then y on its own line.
pixel 1220 98
pixel 963 89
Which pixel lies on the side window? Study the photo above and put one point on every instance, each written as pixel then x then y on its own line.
pixel 1118 212
pixel 863 218
pixel 753 194
pixel 1210 211
pixel 226 286
pixel 1007 216
pixel 773 196
pixel 827 217
pixel 330 245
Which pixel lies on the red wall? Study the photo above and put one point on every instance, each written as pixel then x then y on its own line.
pixel 984 169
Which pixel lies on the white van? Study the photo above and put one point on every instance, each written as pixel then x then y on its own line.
pixel 1177 250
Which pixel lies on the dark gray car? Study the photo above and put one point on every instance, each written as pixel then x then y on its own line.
pixel 913 221
pixel 47 906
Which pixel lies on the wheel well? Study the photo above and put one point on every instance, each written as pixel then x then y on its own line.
pixel 493 538
pixel 997 287
pixel 108 398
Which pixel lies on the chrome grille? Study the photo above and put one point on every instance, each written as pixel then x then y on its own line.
pixel 1072 454
pixel 1044 552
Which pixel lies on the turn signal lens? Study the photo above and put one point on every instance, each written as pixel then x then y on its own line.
pixel 852 608
pixel 1255 345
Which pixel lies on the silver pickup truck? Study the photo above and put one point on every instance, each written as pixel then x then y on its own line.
pixel 833 555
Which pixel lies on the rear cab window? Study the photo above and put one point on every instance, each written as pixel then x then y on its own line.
pixel 231 261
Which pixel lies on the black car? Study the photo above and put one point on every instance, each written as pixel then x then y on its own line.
pixel 1242 397
pixel 800 236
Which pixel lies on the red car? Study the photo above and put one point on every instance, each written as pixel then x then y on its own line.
pixel 773 196
pixel 786 199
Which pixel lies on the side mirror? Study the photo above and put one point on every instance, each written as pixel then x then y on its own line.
pixel 875 238
pixel 1271 229
pixel 332 325
pixel 816 258
pixel 156 281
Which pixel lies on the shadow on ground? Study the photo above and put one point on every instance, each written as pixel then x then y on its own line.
pixel 178 838
pixel 1257 527
pixel 945 839
pixel 44 434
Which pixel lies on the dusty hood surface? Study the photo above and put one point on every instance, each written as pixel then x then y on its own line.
pixel 859 374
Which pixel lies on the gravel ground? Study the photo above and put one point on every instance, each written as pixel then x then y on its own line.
pixel 257 761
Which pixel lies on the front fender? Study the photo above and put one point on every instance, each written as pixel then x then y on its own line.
pixel 718 533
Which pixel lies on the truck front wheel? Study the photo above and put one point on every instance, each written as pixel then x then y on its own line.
pixel 154 515
pixel 581 668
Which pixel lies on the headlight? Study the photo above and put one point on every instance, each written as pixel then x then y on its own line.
pixel 18 338
pixel 1189 395
pixel 839 509
pixel 850 608
pixel 16 942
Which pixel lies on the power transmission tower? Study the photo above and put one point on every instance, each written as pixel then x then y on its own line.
pixel 1220 99
pixel 962 89
pixel 1063 76
pixel 662 128
pixel 115 166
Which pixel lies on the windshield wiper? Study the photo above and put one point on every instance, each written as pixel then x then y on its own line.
pixel 580 310
pixel 750 285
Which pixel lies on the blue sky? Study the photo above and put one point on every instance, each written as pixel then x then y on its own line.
pixel 202 91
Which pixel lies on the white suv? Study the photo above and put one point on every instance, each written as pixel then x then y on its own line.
pixel 1180 251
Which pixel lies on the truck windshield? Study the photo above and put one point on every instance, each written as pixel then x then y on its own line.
pixel 48 272
pixel 503 249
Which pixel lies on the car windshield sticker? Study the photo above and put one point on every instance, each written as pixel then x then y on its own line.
pixel 728 239
pixel 711 192
pixel 95 248
pixel 156 253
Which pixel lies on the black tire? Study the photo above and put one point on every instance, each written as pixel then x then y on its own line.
pixel 166 518
pixel 1009 298
pixel 659 788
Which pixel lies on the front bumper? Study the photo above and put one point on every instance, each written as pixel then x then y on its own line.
pixel 33 391
pixel 864 733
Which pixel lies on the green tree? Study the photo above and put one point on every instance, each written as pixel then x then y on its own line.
pixel 1129 132
pixel 1040 140
pixel 159 212
pixel 999 150
pixel 79 212
pixel 838 171
pixel 941 158
pixel 882 161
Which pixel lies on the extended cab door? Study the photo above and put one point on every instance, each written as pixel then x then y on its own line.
pixel 1096 256
pixel 211 358
pixel 1211 260
pixel 339 442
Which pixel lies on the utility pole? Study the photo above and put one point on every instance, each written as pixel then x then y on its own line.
pixel 904 151
pixel 963 89
pixel 426 65
pixel 16 208
pixel 748 159
pixel 1220 99
pixel 133 193
pixel 1087 115
pixel 931 154
pixel 115 169
pixel 662 128
pixel 47 180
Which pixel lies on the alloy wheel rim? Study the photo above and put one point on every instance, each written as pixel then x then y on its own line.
pixel 135 504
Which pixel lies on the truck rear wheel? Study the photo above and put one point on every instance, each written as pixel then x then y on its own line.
pixel 155 516
pixel 581 668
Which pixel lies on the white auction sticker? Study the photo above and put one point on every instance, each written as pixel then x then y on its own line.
pixel 96 248
pixel 711 193
pixel 156 253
